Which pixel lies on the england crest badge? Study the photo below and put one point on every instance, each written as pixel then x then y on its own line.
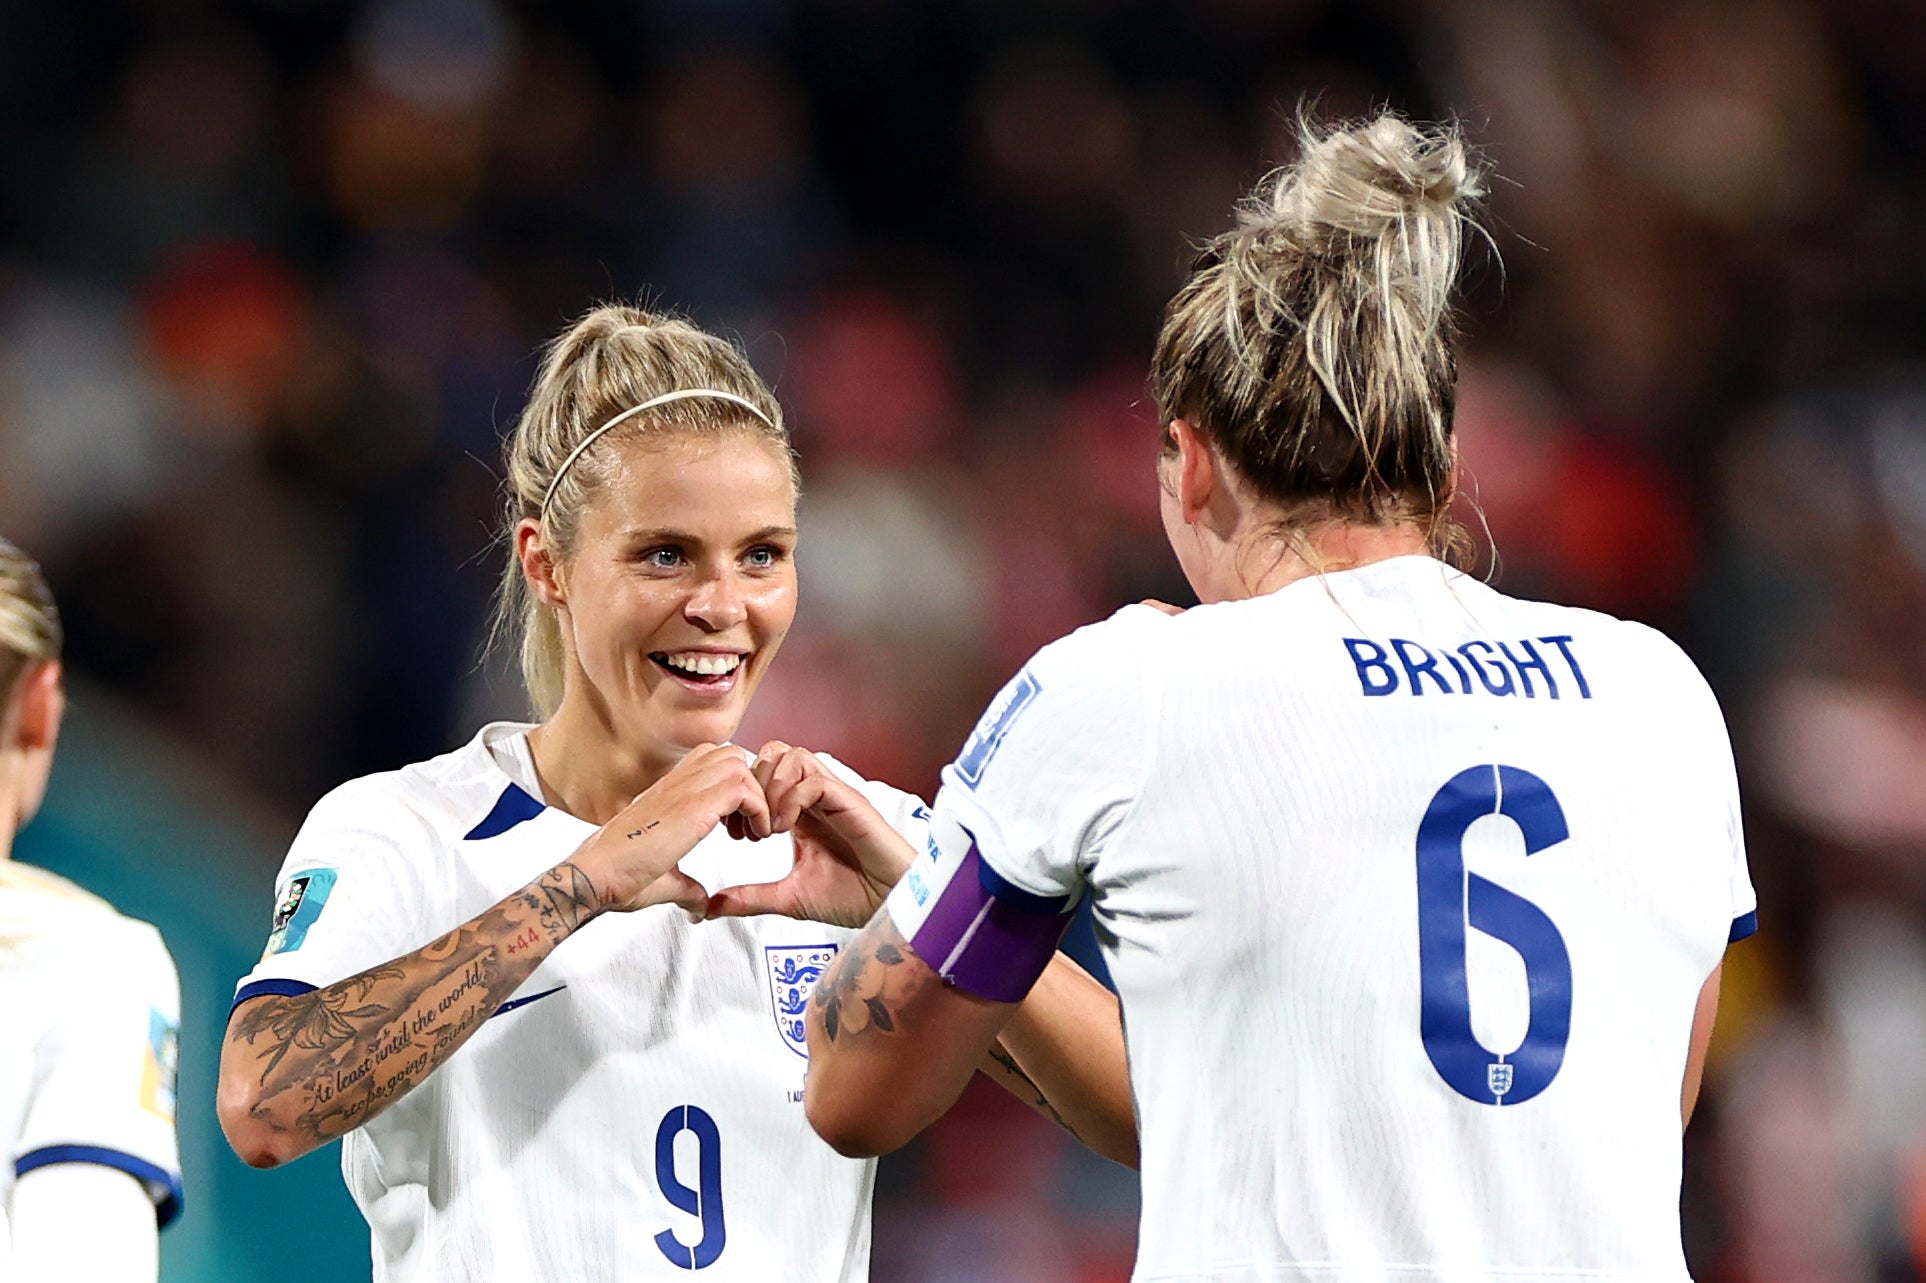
pixel 793 972
pixel 1498 1077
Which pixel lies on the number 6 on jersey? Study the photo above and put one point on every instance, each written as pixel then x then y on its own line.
pixel 1450 898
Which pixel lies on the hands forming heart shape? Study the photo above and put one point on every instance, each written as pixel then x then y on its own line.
pixel 847 855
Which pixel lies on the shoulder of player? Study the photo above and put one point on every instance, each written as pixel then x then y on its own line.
pixel 70 920
pixel 1112 648
pixel 31 882
pixel 1672 674
pixel 435 801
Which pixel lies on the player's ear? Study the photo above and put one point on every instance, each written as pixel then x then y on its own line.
pixel 39 705
pixel 539 563
pixel 1196 471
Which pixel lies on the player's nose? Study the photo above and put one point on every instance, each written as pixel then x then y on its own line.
pixel 718 602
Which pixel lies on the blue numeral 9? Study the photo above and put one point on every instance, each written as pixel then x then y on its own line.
pixel 705 1201
pixel 1449 898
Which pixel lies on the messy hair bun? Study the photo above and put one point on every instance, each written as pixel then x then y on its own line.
pixel 1312 344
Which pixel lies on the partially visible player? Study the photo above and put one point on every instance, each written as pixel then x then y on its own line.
pixel 1415 894
pixel 91 1005
pixel 481 974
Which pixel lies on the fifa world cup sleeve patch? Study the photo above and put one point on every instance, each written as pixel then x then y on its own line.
pixel 160 1065
pixel 976 929
pixel 995 724
pixel 300 905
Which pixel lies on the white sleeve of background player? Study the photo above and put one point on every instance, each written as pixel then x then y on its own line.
pixel 103 1085
pixel 1045 780
pixel 82 1222
pixel 349 895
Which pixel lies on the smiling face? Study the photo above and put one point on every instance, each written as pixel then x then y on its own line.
pixel 680 588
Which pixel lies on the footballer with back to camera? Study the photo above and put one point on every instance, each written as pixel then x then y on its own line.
pixel 91 1008
pixel 481 975
pixel 1415 894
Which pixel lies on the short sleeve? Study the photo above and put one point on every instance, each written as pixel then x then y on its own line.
pixel 1721 781
pixel 104 1067
pixel 1056 762
pixel 1745 901
pixel 1724 784
pixel 349 895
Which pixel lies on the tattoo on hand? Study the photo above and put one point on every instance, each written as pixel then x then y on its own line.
pixel 338 1056
pixel 851 995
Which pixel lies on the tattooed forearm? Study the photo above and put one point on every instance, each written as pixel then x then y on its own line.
pixel 852 997
pixel 564 898
pixel 1024 1088
pixel 330 1060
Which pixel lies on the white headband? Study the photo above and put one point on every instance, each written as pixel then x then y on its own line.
pixel 682 394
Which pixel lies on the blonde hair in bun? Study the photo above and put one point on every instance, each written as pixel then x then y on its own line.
pixel 1313 342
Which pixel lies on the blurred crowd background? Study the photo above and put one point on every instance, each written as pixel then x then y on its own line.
pixel 273 277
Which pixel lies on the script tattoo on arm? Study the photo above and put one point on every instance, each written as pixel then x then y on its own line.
pixel 852 996
pixel 332 1059
pixel 1009 1075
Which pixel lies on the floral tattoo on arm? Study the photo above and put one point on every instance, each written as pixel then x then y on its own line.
pixel 853 997
pixel 332 1059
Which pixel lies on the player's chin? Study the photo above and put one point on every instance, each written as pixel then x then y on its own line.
pixel 714 724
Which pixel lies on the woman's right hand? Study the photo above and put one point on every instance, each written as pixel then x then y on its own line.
pixel 632 860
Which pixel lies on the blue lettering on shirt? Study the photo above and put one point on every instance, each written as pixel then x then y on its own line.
pixel 1375 675
pixel 1524 666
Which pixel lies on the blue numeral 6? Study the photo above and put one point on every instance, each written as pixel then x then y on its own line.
pixel 1449 898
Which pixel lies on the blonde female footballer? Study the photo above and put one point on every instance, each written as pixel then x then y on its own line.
pixel 1415 894
pixel 482 975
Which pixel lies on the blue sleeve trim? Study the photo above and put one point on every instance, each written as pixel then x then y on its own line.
pixel 277 988
pixel 1015 896
pixel 514 806
pixel 1744 926
pixel 167 1203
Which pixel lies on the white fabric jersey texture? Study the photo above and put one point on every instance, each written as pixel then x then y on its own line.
pixel 91 1004
pixel 634 1111
pixel 1371 1037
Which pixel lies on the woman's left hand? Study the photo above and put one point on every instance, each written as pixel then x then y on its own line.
pixel 847 855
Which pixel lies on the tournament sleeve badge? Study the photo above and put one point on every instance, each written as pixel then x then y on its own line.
pixel 300 905
pixel 160 1065
pixel 793 971
pixel 995 724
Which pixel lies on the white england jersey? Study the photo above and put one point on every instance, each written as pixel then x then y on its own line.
pixel 90 1003
pixel 634 1111
pixel 1409 890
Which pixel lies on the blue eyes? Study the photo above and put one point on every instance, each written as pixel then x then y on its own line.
pixel 763 557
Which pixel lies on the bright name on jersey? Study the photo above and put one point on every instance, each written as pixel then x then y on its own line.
pixel 1479 667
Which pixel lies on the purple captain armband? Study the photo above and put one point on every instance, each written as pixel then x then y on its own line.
pixel 976 929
